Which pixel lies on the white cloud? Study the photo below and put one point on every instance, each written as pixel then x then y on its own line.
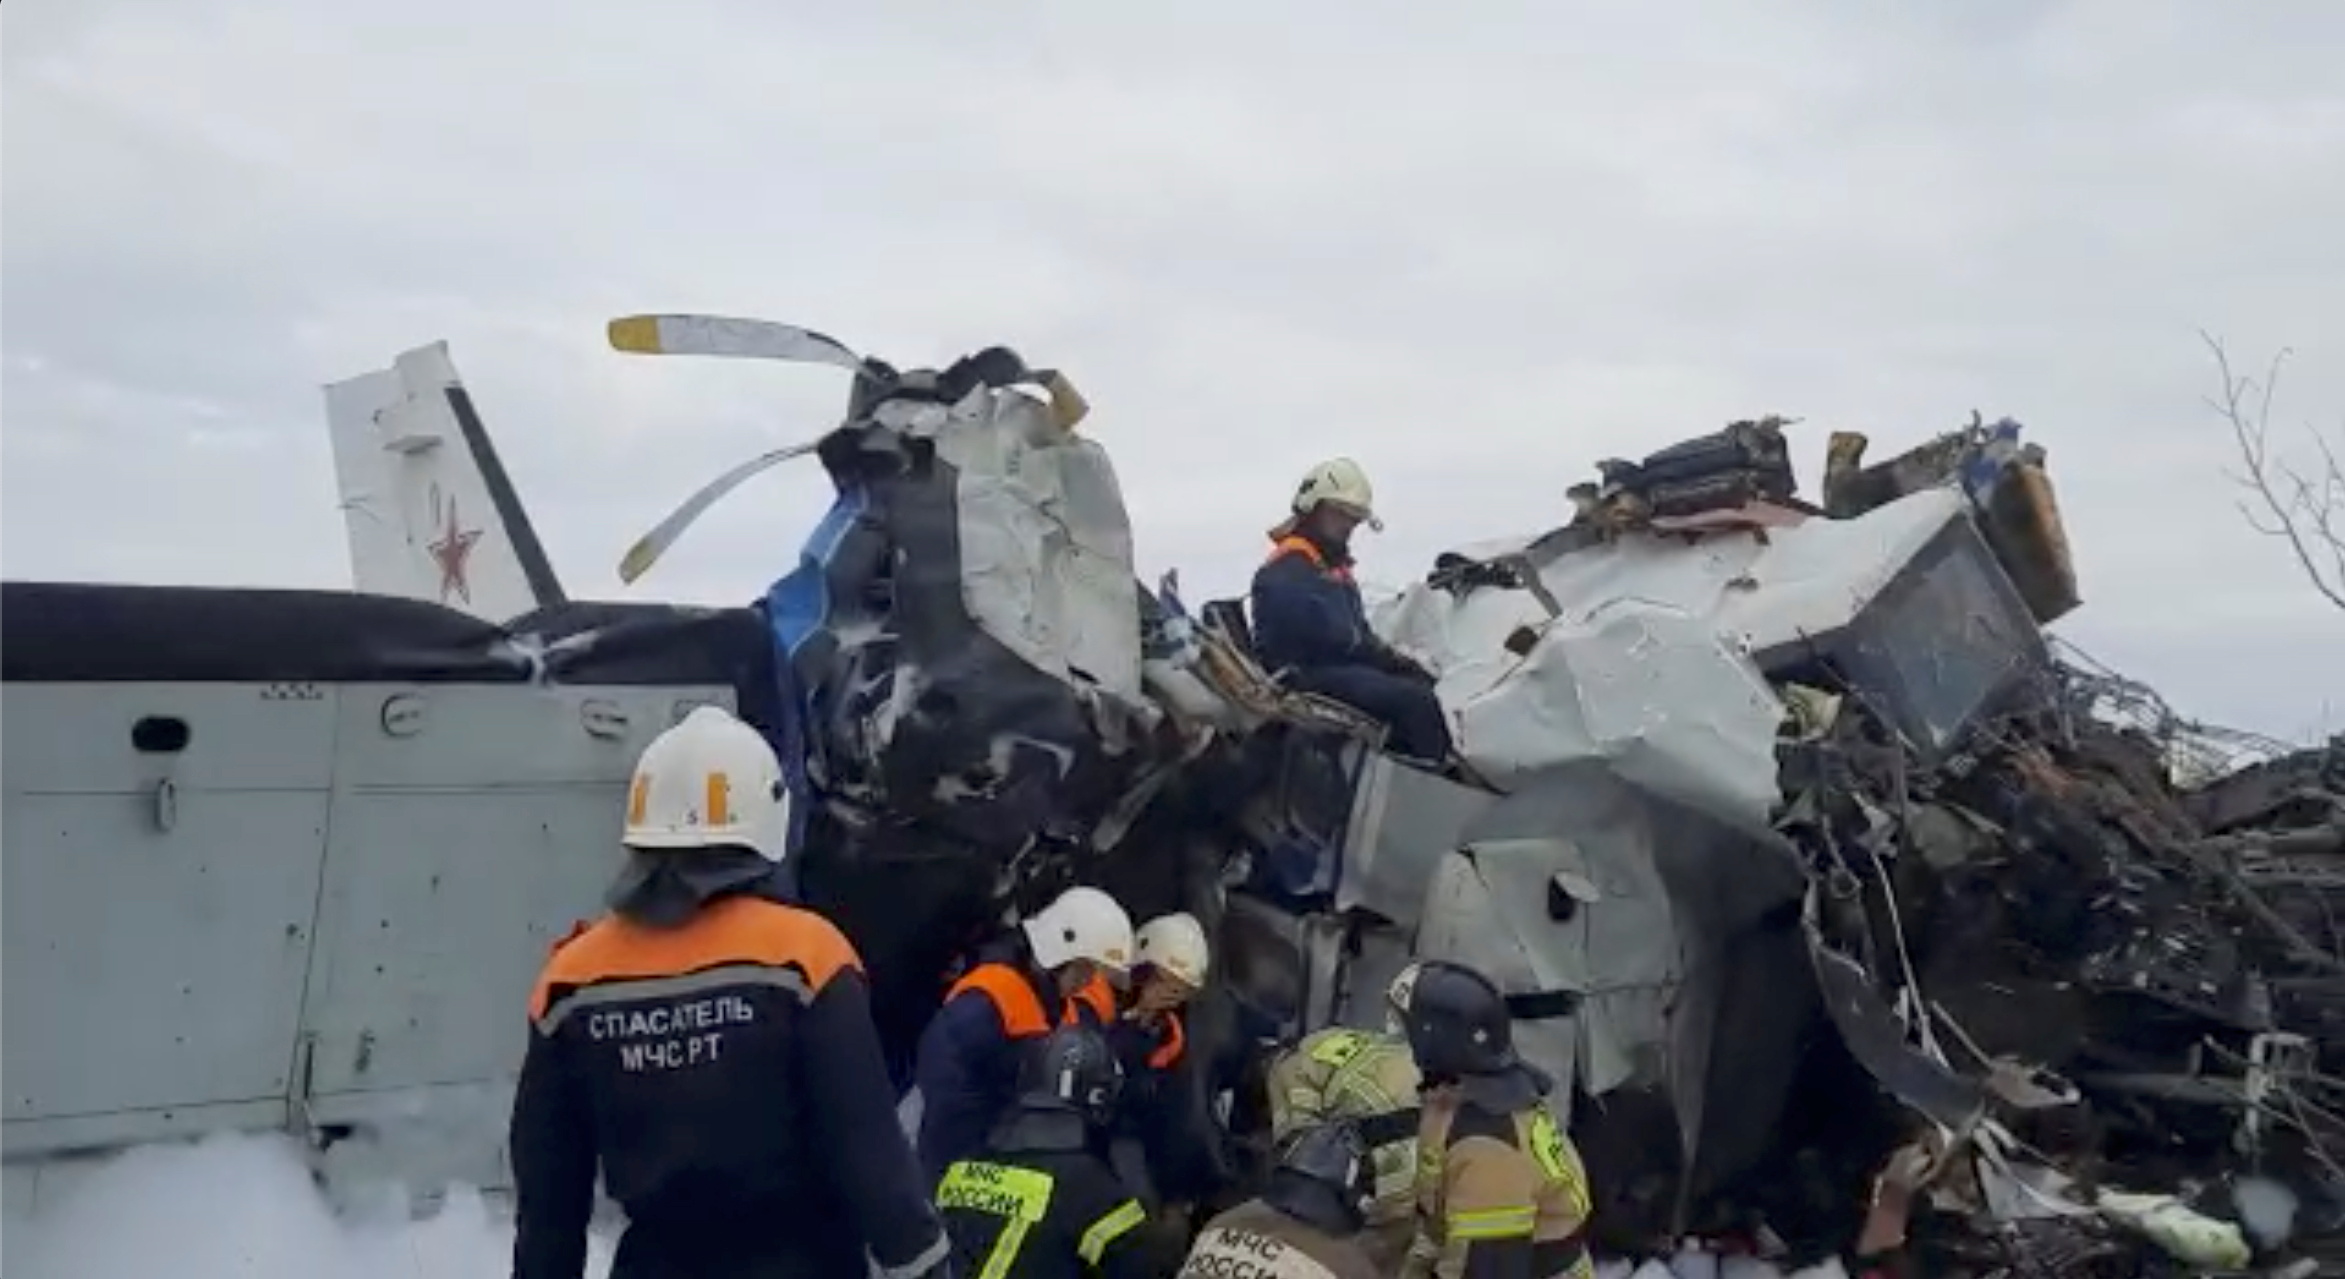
pixel 1478 255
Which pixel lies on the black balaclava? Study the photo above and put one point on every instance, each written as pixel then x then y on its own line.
pixel 663 888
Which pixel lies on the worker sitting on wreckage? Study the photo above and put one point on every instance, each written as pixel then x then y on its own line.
pixel 1311 626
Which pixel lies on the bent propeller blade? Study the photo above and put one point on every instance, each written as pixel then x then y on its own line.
pixel 730 337
pixel 648 548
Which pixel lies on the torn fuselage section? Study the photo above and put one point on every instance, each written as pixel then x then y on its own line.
pixel 1626 692
pixel 2009 925
pixel 981 698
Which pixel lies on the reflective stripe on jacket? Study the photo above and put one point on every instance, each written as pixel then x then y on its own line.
pixel 726 1078
pixel 1511 1185
pixel 1040 1216
pixel 1365 1077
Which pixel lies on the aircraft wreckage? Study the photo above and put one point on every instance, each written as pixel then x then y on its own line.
pixel 1793 837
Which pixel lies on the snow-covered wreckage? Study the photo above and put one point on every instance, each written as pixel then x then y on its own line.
pixel 1793 838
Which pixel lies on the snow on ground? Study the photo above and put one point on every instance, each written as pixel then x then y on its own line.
pixel 245 1207
pixel 237 1206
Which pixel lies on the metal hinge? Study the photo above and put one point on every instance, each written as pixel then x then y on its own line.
pixel 305 1055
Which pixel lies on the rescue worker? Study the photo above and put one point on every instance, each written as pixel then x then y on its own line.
pixel 1311 626
pixel 1055 968
pixel 710 1045
pixel 1038 1202
pixel 1161 1135
pixel 1170 958
pixel 1306 1222
pixel 1370 1080
pixel 1500 1188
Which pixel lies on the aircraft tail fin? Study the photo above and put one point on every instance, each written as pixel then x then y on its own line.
pixel 429 509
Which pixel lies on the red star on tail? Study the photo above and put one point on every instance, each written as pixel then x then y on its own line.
pixel 452 552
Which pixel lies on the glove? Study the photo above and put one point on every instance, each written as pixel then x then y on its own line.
pixel 1400 663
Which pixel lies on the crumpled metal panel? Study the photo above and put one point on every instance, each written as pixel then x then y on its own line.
pixel 962 634
pixel 1638 651
pixel 1659 696
pixel 1654 916
pixel 1046 545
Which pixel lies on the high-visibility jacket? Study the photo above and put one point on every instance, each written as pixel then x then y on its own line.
pixel 1370 1079
pixel 1095 1001
pixel 967 1068
pixel 726 1078
pixel 1307 609
pixel 1311 629
pixel 1044 1214
pixel 1144 1048
pixel 1510 1185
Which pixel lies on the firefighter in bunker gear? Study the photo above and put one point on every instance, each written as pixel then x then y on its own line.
pixel 1311 626
pixel 1161 1143
pixel 1500 1188
pixel 1369 1079
pixel 1305 1224
pixel 1038 1202
pixel 1054 969
pixel 710 1045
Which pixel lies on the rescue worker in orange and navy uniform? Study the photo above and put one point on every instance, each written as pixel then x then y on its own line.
pixel 1056 969
pixel 1163 1122
pixel 1311 626
pixel 709 1045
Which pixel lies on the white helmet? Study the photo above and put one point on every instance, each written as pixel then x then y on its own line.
pixel 1396 998
pixel 1341 483
pixel 1084 923
pixel 709 781
pixel 1176 944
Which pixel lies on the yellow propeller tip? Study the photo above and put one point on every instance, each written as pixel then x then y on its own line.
pixel 637 559
pixel 639 334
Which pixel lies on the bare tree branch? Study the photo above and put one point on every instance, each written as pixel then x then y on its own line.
pixel 2305 510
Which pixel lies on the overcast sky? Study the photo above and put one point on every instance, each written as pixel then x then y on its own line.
pixel 1477 253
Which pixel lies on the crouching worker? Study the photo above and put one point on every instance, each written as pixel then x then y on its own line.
pixel 710 1045
pixel 1311 626
pixel 1306 1222
pixel 1369 1080
pixel 1164 1145
pixel 1500 1188
pixel 1054 970
pixel 1039 1202
pixel 1169 961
